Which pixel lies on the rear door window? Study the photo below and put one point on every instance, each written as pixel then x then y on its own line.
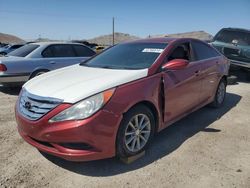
pixel 203 51
pixel 59 50
pixel 82 51
pixel 48 52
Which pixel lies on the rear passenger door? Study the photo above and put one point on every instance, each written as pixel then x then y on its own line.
pixel 209 60
pixel 60 55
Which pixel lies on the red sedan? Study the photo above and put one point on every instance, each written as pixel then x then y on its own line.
pixel 113 104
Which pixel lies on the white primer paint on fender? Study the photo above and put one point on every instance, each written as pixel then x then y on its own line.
pixel 74 83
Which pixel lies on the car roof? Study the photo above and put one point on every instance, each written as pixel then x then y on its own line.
pixel 236 29
pixel 162 40
pixel 153 40
pixel 48 43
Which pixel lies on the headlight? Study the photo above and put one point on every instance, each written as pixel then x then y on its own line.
pixel 246 52
pixel 84 108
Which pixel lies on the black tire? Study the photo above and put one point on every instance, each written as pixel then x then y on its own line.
pixel 218 101
pixel 231 80
pixel 38 72
pixel 121 147
pixel 3 53
pixel 248 75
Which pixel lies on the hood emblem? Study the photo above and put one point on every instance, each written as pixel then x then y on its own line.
pixel 27 105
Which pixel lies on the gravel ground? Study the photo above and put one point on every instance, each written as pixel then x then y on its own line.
pixel 209 148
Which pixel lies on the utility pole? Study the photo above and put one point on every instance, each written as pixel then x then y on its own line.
pixel 113 30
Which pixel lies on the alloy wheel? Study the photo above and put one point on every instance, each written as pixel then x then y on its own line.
pixel 137 132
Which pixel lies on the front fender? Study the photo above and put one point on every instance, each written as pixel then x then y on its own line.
pixel 143 90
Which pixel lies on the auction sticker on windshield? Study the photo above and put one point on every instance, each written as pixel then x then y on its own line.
pixel 152 50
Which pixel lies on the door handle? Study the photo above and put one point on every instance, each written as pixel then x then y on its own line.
pixel 52 62
pixel 197 72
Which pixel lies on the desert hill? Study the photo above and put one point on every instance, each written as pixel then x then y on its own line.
pixel 6 38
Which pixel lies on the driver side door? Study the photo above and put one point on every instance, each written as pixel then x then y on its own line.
pixel 181 87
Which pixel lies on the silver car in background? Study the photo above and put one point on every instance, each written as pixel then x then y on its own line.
pixel 37 58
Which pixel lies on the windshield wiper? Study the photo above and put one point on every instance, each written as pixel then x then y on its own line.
pixel 107 67
pixel 104 67
pixel 111 67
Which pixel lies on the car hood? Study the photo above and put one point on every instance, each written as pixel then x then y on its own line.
pixel 74 83
pixel 225 44
pixel 233 52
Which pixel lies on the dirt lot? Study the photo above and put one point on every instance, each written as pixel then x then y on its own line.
pixel 209 148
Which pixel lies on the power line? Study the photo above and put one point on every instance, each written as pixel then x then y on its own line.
pixel 113 30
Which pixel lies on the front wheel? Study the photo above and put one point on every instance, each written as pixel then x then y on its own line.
pixel 135 132
pixel 220 94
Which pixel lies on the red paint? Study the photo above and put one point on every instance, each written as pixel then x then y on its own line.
pixel 176 64
pixel 99 131
pixel 190 87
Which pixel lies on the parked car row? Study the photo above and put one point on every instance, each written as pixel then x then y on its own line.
pixel 9 48
pixel 37 58
pixel 3 44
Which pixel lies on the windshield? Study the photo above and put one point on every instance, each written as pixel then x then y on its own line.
pixel 128 56
pixel 24 50
pixel 228 36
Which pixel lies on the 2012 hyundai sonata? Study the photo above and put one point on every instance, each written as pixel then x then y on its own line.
pixel 113 104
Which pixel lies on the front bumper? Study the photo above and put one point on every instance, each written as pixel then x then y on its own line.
pixel 240 64
pixel 98 132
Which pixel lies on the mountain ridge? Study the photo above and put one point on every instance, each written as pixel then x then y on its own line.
pixel 8 38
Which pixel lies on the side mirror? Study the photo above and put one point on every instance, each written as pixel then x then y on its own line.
pixel 175 64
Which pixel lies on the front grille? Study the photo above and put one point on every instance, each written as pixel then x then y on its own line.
pixel 76 146
pixel 47 144
pixel 34 107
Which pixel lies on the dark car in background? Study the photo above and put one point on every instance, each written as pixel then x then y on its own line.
pixel 9 48
pixel 234 43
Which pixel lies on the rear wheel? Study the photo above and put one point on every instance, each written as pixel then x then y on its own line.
pixel 231 80
pixel 37 73
pixel 135 132
pixel 248 75
pixel 220 94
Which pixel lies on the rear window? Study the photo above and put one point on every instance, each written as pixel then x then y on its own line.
pixel 16 46
pixel 228 36
pixel 24 50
